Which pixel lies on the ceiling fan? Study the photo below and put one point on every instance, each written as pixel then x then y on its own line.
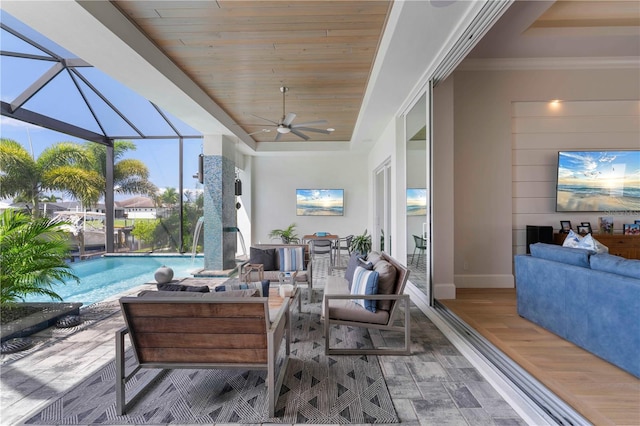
pixel 285 125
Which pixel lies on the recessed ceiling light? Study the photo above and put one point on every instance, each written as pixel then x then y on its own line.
pixel 330 129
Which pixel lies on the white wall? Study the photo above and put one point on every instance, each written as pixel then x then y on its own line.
pixel 274 184
pixel 540 130
pixel 483 162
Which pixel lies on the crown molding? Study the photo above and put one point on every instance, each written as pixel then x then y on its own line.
pixel 513 64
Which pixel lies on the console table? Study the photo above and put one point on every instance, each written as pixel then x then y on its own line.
pixel 620 245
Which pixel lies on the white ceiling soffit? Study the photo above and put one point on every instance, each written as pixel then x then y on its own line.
pixel 418 37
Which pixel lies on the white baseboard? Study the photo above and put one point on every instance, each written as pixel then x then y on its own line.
pixel 444 291
pixel 484 281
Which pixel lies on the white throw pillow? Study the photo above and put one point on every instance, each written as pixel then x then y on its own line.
pixel 587 242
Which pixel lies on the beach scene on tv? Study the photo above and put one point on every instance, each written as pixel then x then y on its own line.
pixel 319 202
pixel 598 181
pixel 416 202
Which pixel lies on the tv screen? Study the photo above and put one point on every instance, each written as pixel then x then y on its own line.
pixel 319 202
pixel 598 181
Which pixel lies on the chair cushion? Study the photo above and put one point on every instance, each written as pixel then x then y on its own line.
pixel 365 283
pixel 266 257
pixel 386 282
pixel 291 259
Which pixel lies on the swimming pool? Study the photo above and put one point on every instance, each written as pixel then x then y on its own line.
pixel 107 276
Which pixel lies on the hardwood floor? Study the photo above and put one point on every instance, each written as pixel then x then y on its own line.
pixel 598 390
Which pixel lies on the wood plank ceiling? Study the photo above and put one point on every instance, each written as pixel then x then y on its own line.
pixel 242 52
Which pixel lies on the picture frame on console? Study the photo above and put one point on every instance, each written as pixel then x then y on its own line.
pixel 631 229
pixel 583 230
pixel 605 224
pixel 588 225
pixel 565 226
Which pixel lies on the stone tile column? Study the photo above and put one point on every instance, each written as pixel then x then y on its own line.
pixel 219 203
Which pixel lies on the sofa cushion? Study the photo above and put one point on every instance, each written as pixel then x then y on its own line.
pixel 266 257
pixel 291 259
pixel 197 295
pixel 616 265
pixel 354 262
pixel 365 283
pixel 568 255
pixel 386 282
pixel 261 286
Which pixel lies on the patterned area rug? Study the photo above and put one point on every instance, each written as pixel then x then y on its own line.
pixel 316 389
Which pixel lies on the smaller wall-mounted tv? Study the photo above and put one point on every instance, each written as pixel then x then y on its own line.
pixel 416 202
pixel 598 181
pixel 319 202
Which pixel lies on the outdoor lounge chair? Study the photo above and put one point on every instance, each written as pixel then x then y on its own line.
pixel 171 330
pixel 339 307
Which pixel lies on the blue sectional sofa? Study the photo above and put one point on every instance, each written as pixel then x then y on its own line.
pixel 592 300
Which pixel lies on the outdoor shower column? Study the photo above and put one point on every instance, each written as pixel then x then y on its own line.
pixel 219 203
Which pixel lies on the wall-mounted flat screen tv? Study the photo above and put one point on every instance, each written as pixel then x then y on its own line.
pixel 598 181
pixel 320 202
pixel 416 202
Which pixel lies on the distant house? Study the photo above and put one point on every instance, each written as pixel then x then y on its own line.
pixel 137 208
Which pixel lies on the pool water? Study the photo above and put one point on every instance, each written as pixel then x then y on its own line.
pixel 107 276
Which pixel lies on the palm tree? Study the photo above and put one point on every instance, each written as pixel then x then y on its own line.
pixel 169 197
pixel 60 167
pixel 32 256
pixel 130 176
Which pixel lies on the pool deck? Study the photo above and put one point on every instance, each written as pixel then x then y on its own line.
pixel 62 358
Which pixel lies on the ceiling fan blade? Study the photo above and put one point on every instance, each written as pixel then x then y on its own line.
pixel 278 136
pixel 266 119
pixel 309 123
pixel 300 134
pixel 311 129
pixel 259 131
pixel 289 118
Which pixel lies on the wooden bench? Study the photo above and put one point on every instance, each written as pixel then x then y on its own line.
pixel 171 330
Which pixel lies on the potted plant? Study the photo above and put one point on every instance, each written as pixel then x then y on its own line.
pixel 361 243
pixel 287 235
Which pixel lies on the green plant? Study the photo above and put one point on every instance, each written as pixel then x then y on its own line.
pixel 32 256
pixel 287 235
pixel 361 243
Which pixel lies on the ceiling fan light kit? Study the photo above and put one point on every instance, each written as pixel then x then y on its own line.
pixel 285 125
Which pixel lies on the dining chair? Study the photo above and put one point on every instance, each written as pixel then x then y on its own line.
pixel 421 246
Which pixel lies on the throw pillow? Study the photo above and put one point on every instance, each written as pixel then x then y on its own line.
pixel 266 257
pixel 386 282
pixel 197 288
pixel 365 283
pixel 354 261
pixel 261 286
pixel 366 264
pixel 170 287
pixel 291 259
pixel 374 257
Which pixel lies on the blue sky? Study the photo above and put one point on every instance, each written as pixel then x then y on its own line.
pixel 61 100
